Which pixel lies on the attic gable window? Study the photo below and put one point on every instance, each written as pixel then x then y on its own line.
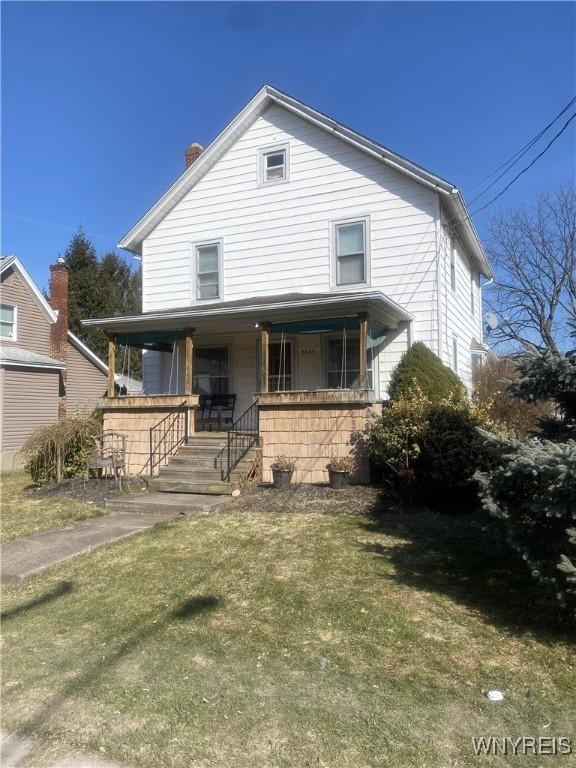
pixel 274 165
pixel 7 321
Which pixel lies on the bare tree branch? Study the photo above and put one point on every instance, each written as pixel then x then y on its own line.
pixel 533 250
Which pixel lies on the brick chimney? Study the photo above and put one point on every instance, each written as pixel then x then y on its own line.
pixel 193 153
pixel 59 330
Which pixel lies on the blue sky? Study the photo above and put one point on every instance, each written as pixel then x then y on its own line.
pixel 99 100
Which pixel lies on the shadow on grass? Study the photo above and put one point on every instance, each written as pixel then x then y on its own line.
pixel 185 610
pixel 465 558
pixel 64 588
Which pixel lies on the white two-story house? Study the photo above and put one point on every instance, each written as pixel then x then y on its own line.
pixel 291 265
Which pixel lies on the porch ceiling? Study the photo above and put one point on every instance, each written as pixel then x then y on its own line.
pixel 241 315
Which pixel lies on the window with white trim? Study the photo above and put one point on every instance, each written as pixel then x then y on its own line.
pixel 8 321
pixel 477 360
pixel 473 293
pixel 350 251
pixel 208 277
pixel 453 265
pixel 273 165
pixel 455 353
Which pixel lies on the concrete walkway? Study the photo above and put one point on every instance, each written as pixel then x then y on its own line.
pixel 16 751
pixel 22 557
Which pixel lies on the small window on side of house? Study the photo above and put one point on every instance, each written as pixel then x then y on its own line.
pixel 473 293
pixel 477 360
pixel 273 165
pixel 7 321
pixel 453 266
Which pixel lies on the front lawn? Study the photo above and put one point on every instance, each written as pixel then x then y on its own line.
pixel 253 639
pixel 25 511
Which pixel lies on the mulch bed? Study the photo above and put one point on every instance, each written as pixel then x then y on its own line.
pixel 92 491
pixel 313 499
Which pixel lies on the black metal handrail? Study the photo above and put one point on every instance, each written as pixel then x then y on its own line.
pixel 242 435
pixel 166 437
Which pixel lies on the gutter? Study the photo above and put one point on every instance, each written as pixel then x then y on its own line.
pixel 191 312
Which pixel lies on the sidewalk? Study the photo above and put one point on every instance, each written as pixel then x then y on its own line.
pixel 16 751
pixel 22 557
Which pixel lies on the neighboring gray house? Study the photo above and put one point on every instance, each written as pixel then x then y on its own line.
pixel 45 370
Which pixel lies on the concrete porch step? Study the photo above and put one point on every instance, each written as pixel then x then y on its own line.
pixel 212 487
pixel 163 504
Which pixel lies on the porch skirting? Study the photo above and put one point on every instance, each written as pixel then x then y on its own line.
pixel 134 416
pixel 312 434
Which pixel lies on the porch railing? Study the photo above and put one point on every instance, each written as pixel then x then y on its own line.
pixel 242 435
pixel 167 436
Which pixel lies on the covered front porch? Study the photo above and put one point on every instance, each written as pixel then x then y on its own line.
pixel 309 364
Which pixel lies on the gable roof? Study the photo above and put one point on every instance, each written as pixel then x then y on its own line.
pixel 7 262
pixel 266 96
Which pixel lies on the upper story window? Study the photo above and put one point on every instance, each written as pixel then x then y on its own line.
pixel 351 252
pixel 208 270
pixel 453 265
pixel 274 165
pixel 8 321
pixel 473 293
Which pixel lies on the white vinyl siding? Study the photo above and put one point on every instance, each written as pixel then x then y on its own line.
pixel 457 315
pixel 277 237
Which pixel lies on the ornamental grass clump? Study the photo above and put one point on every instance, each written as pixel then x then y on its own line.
pixel 61 450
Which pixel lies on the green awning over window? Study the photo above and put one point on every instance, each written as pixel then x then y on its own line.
pixel 159 341
pixel 376 332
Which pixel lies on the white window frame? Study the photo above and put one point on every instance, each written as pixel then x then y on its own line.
pixel 453 265
pixel 14 309
pixel 477 360
pixel 263 152
pixel 455 353
pixel 334 224
pixel 473 301
pixel 194 257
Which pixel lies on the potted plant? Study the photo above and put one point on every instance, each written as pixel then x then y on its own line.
pixel 282 471
pixel 339 471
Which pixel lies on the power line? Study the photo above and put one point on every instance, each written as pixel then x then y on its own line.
pixel 520 153
pixel 456 221
pixel 523 171
pixel 511 162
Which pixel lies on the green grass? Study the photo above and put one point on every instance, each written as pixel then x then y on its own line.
pixel 23 513
pixel 254 640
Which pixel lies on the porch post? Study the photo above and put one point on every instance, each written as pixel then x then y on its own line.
pixel 363 317
pixel 111 364
pixel 189 360
pixel 265 356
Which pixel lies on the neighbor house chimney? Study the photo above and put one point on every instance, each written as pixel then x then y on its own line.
pixel 193 153
pixel 59 330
